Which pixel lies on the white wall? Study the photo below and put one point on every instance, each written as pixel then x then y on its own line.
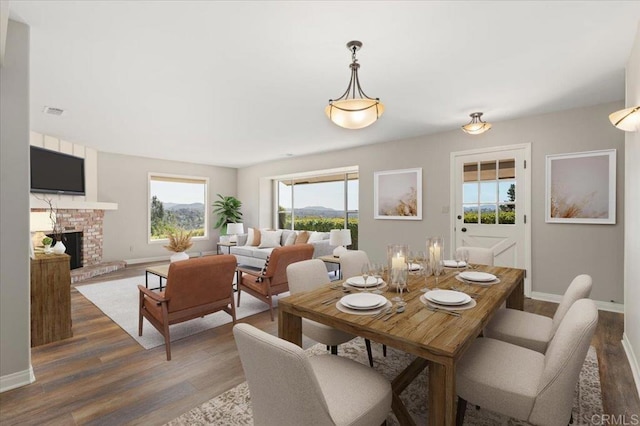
pixel 15 355
pixel 123 179
pixel 632 226
pixel 559 251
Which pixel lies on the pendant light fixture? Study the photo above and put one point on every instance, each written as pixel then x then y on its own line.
pixel 354 109
pixel 626 119
pixel 476 126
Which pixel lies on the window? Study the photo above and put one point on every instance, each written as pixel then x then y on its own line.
pixel 489 192
pixel 177 202
pixel 319 202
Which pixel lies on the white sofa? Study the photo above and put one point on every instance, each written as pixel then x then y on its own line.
pixel 256 257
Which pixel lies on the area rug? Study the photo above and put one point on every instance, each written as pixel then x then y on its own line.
pixel 233 408
pixel 119 301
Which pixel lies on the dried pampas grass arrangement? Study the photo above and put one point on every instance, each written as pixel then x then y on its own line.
pixel 179 241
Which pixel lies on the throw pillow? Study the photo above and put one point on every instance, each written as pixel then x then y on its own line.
pixel 302 237
pixel 270 239
pixel 316 236
pixel 253 237
pixel 291 239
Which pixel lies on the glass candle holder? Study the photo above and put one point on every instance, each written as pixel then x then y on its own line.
pixel 435 250
pixel 397 257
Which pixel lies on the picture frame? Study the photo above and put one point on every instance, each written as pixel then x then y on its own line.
pixel 398 194
pixel 581 187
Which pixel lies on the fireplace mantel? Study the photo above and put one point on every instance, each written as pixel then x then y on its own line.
pixel 73 204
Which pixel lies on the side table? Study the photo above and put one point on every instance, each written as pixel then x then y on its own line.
pixel 162 271
pixel 227 245
pixel 332 259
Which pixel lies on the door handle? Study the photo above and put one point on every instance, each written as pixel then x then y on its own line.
pixel 464 229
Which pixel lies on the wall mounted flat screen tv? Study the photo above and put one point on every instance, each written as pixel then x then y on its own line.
pixel 56 173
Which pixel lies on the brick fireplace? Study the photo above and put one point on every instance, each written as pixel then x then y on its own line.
pixel 90 223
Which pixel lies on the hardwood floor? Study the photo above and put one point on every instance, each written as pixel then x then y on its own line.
pixel 102 376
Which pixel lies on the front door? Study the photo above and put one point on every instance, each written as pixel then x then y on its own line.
pixel 491 197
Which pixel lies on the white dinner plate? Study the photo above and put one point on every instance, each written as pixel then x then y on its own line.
pixel 447 297
pixel 363 301
pixel 414 267
pixel 381 284
pixel 454 264
pixel 477 276
pixel 470 305
pixel 358 281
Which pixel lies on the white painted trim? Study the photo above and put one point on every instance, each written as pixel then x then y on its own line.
pixel 633 360
pixel 17 379
pixel 72 204
pixel 601 305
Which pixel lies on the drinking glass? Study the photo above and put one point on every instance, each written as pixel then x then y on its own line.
pixel 437 270
pixel 400 280
pixel 458 257
pixel 377 269
pixel 366 272
pixel 465 256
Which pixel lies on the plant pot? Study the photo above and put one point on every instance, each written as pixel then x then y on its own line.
pixel 59 248
pixel 47 248
pixel 176 257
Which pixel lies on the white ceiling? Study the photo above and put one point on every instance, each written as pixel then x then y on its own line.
pixel 239 83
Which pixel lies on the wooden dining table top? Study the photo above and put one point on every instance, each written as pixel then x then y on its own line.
pixel 418 330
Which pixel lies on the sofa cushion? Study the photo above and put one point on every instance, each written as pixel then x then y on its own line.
pixel 253 237
pixel 288 237
pixel 270 239
pixel 318 236
pixel 302 238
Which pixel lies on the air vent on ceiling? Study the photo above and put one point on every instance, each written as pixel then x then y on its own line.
pixel 53 110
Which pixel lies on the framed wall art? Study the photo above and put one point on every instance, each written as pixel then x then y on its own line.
pixel 398 194
pixel 581 187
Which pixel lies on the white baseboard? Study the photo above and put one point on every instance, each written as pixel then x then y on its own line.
pixel 603 306
pixel 16 380
pixel 633 361
pixel 167 257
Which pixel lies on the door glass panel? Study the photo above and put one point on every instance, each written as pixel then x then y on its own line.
pixel 507 169
pixel 488 170
pixel 284 204
pixel 488 192
pixel 488 214
pixel 470 173
pixel 471 213
pixel 470 193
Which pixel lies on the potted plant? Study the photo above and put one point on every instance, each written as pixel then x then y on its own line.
pixel 46 242
pixel 56 228
pixel 179 242
pixel 227 210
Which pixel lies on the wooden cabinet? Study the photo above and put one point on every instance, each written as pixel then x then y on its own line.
pixel 50 298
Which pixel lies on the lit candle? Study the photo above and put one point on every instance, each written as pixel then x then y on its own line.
pixel 397 262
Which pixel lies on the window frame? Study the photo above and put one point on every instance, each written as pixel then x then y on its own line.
pixel 169 176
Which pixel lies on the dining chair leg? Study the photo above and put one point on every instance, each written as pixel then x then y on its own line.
pixel 384 351
pixel 334 350
pixel 462 408
pixel 367 343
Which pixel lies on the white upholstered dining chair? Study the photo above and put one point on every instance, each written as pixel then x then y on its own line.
pixel 523 383
pixel 287 387
pixel 536 331
pixel 351 266
pixel 309 275
pixel 478 255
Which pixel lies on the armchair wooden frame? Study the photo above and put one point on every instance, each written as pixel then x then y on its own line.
pixel 265 283
pixel 195 288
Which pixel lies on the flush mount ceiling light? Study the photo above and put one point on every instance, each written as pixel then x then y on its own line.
pixel 476 126
pixel 626 119
pixel 353 112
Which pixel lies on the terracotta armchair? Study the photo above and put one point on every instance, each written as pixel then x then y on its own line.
pixel 272 279
pixel 194 288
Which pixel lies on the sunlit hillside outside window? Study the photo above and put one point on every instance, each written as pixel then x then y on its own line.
pixel 175 203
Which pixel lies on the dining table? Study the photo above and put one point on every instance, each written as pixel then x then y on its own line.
pixel 436 338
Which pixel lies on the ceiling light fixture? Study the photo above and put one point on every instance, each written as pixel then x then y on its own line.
pixel 476 126
pixel 626 119
pixel 353 112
